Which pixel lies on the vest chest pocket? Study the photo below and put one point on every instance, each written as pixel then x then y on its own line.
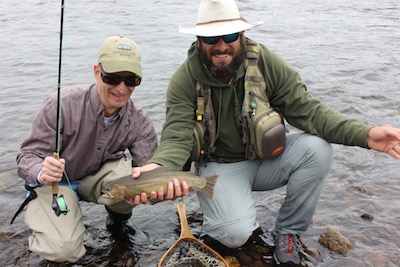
pixel 268 133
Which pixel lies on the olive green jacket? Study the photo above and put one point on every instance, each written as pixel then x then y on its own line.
pixel 285 90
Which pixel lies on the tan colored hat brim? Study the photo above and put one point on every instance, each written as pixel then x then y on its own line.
pixel 118 66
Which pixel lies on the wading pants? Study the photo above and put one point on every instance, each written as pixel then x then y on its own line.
pixel 303 166
pixel 90 187
pixel 60 238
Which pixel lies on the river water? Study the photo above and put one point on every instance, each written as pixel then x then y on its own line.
pixel 348 53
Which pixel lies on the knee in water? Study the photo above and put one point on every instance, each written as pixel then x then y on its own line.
pixel 234 235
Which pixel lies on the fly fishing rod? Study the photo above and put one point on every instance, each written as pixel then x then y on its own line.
pixel 59 205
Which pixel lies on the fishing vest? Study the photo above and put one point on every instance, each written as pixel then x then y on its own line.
pixel 263 128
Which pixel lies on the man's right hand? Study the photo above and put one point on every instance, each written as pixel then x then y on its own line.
pixel 52 170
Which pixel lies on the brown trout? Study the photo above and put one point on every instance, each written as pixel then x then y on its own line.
pixel 126 187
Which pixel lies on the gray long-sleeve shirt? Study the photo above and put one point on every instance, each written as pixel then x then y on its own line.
pixel 85 141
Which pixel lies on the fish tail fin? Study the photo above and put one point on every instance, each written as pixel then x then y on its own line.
pixel 208 190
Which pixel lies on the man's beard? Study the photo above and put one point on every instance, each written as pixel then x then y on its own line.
pixel 225 71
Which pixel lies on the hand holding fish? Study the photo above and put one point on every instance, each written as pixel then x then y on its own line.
pixel 385 139
pixel 143 198
pixel 52 170
pixel 174 188
pixel 153 181
pixel 174 191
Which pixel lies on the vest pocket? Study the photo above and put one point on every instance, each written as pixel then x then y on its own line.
pixel 269 134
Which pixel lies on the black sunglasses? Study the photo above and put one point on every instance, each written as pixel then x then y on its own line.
pixel 129 81
pixel 229 38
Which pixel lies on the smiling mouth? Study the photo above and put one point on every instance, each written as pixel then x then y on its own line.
pixel 221 55
pixel 118 95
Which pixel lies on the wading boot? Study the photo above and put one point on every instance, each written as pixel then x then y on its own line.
pixel 287 250
pixel 117 225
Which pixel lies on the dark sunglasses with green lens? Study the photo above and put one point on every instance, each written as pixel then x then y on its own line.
pixel 229 38
pixel 129 81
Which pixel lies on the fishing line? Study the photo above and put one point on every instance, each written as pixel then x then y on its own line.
pixel 390 63
pixel 76 202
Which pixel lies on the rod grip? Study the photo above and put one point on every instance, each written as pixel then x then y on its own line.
pixel 54 186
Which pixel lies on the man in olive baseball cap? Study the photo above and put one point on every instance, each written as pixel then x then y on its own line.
pixel 100 124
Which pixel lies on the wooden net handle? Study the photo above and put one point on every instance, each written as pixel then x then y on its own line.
pixel 185 230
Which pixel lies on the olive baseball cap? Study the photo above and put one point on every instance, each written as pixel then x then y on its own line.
pixel 119 54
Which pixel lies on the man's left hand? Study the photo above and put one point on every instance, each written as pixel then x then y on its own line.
pixel 174 190
pixel 385 139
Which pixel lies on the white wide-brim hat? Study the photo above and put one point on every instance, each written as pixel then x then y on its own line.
pixel 218 17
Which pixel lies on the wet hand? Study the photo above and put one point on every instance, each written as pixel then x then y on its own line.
pixel 52 170
pixel 142 199
pixel 385 139
pixel 175 190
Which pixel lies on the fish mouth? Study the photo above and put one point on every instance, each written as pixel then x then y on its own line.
pixel 107 195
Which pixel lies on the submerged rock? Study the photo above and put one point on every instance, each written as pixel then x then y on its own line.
pixel 333 240
pixel 232 261
pixel 367 217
